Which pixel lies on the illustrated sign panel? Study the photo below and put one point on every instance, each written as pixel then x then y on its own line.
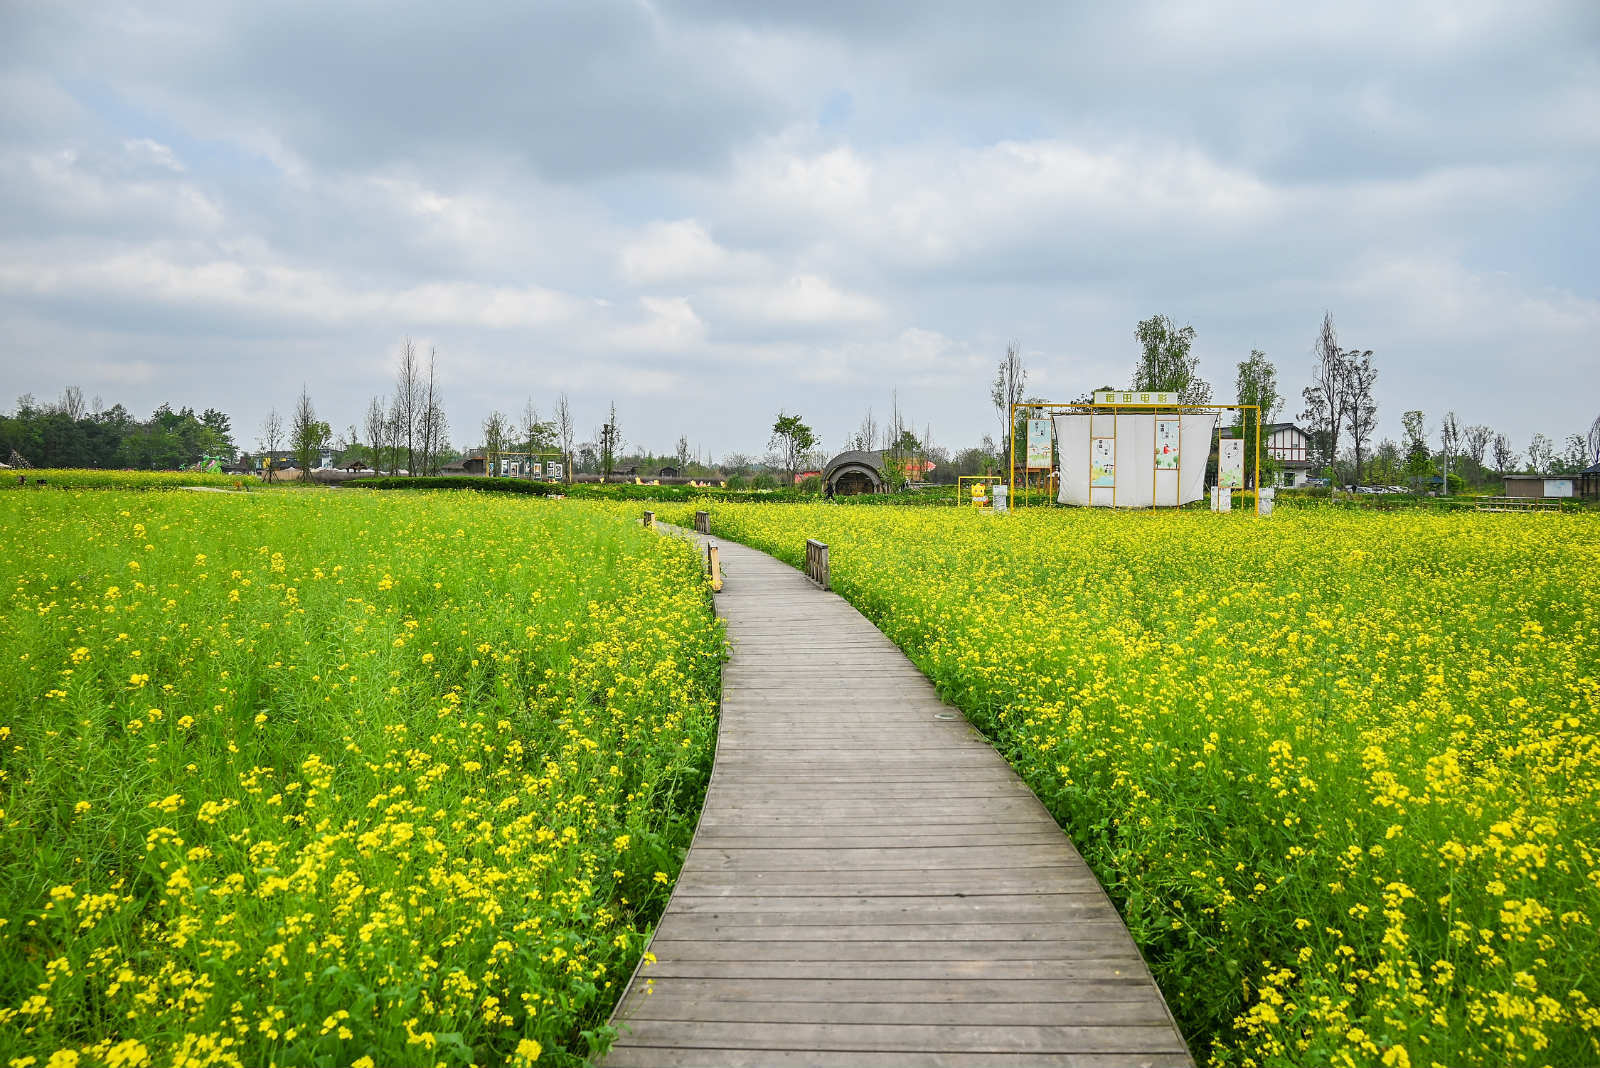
pixel 1039 444
pixel 1137 396
pixel 1167 444
pixel 1103 462
pixel 1230 463
pixel 554 470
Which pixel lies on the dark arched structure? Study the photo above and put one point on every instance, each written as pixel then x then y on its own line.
pixel 854 472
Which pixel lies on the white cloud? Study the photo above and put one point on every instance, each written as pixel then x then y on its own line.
pixel 681 251
pixel 139 184
pixel 151 153
pixel 669 325
pixel 303 297
pixel 801 300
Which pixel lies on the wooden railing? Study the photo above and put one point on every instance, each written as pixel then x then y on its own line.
pixel 1517 504
pixel 817 563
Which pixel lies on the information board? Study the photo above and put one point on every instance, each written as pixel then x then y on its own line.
pixel 1039 441
pixel 1167 437
pixel 1230 463
pixel 1103 462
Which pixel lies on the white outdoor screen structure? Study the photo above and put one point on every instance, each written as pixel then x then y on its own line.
pixel 1124 460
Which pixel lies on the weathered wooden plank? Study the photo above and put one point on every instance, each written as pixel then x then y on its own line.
pixel 747 840
pixel 951 949
pixel 931 858
pixel 911 774
pixel 886 912
pixel 871 824
pixel 631 1056
pixel 949 1038
pixel 908 808
pixel 667 1004
pixel 976 982
pixel 1108 933
pixel 878 884
pixel 752 767
pixel 817 790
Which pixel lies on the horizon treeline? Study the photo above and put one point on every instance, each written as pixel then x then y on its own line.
pixel 73 432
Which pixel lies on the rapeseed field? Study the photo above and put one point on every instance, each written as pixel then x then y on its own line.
pixel 337 778
pixel 1340 772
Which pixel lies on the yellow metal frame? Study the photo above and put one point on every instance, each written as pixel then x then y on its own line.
pixel 1025 497
pixel 961 498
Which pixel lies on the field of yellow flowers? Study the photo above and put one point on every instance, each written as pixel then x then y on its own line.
pixel 337 778
pixel 1341 772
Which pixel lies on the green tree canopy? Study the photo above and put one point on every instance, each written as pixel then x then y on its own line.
pixel 1165 364
pixel 791 439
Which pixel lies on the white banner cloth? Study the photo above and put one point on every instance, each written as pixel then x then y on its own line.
pixel 1139 480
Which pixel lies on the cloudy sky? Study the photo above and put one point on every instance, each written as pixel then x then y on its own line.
pixel 705 214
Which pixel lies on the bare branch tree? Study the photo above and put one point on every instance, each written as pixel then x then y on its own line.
pixel 1475 442
pixel 564 432
pixel 1327 396
pixel 307 434
pixel 1541 454
pixel 865 438
pixel 1450 439
pixel 682 455
pixel 1504 458
pixel 534 434
pixel 1594 441
pixel 394 439
pixel 1010 381
pixel 72 405
pixel 271 437
pixel 430 417
pixel 495 432
pixel 609 437
pixel 408 402
pixel 1361 407
pixel 376 430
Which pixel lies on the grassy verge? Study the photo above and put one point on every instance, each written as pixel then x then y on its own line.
pixel 36 478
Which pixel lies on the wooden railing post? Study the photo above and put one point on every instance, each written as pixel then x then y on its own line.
pixel 713 565
pixel 817 563
pixel 702 522
pixel 649 520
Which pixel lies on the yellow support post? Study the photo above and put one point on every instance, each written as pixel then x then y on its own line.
pixel 1011 434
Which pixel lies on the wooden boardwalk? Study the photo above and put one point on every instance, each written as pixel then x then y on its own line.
pixel 870 883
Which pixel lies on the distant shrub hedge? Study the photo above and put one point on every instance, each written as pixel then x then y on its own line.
pixel 589 491
pixel 86 479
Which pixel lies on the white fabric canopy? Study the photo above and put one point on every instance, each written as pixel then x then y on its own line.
pixel 1136 457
